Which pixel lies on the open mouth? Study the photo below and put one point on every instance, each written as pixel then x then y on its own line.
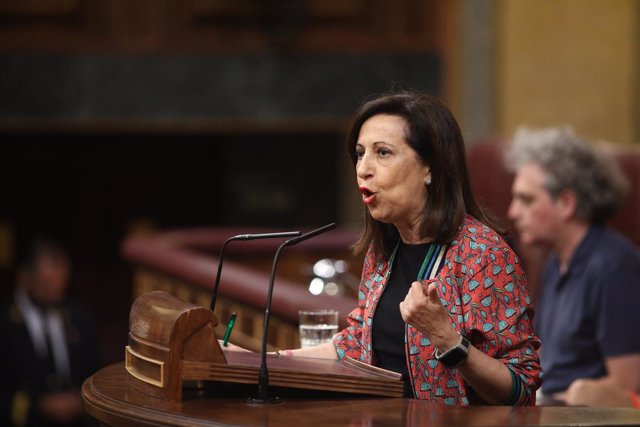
pixel 368 196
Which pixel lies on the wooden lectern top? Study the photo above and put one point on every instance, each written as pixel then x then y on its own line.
pixel 347 375
pixel 171 342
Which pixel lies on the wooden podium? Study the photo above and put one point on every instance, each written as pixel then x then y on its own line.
pixel 108 398
pixel 172 342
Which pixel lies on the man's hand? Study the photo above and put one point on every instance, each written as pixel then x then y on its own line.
pixel 595 392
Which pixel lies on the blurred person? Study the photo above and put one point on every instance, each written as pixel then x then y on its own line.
pixel 442 298
pixel 587 314
pixel 49 344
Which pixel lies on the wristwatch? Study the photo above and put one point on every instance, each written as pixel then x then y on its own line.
pixel 455 355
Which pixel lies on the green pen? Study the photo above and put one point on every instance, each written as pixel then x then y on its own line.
pixel 232 321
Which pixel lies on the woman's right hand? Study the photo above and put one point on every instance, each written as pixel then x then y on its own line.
pixel 423 309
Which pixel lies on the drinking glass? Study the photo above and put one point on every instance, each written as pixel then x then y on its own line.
pixel 317 326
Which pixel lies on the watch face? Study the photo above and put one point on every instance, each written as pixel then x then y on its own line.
pixel 455 355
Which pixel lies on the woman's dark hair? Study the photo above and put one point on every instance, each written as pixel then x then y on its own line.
pixel 435 136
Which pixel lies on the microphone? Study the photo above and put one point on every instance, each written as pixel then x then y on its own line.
pixel 263 377
pixel 214 296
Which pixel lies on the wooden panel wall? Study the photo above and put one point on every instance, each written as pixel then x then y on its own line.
pixel 219 25
pixel 571 62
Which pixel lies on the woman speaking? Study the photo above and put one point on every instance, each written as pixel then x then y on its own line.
pixel 442 298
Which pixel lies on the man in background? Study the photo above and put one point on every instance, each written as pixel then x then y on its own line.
pixel 49 345
pixel 588 312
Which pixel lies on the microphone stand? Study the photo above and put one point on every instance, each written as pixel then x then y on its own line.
pixel 263 376
pixel 214 296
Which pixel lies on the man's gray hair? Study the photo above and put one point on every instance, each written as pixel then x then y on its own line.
pixel 571 164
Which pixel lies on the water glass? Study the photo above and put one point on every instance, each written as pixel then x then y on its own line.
pixel 317 326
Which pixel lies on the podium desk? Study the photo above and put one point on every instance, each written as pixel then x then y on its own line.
pixel 107 397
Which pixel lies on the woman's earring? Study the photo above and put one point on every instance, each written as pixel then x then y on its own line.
pixel 427 180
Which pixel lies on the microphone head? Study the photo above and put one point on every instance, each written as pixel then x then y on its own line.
pixel 310 234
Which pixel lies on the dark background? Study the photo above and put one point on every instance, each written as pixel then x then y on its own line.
pixel 117 117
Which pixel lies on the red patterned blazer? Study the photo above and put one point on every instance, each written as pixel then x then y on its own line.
pixel 483 287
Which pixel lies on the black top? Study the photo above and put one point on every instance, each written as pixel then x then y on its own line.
pixel 388 326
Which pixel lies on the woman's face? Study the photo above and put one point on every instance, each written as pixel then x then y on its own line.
pixel 390 174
